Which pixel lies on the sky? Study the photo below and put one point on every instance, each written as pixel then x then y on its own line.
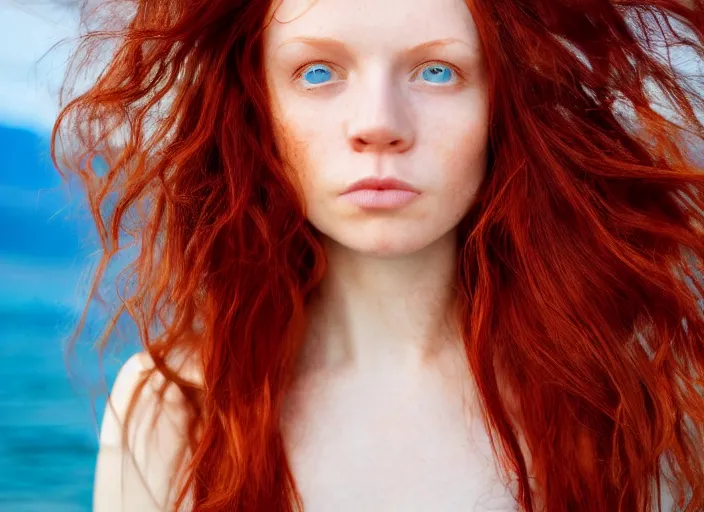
pixel 47 240
pixel 28 83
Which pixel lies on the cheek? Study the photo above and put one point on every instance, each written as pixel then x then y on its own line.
pixel 308 149
pixel 463 158
pixel 300 138
pixel 457 135
pixel 295 151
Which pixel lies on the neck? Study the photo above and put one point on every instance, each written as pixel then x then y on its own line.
pixel 372 312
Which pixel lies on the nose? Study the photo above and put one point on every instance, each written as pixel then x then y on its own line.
pixel 380 121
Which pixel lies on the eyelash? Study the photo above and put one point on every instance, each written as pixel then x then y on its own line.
pixel 299 73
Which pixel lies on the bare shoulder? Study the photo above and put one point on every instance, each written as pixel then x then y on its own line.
pixel 139 474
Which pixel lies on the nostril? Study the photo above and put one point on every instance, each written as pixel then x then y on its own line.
pixel 377 144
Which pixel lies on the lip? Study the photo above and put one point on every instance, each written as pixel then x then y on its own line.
pixel 380 193
pixel 380 184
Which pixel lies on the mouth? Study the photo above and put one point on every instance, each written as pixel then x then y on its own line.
pixel 380 193
pixel 380 184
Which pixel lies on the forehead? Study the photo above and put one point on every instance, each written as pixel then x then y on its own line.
pixel 394 24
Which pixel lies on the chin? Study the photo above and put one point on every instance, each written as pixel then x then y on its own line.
pixel 383 243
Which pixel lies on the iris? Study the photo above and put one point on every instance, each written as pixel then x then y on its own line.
pixel 317 74
pixel 432 73
pixel 436 73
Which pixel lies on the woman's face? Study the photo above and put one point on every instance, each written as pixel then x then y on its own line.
pixel 380 89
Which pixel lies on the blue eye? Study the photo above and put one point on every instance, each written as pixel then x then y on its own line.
pixel 317 74
pixel 437 73
pixel 320 73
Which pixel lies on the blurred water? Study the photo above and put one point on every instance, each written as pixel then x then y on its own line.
pixel 48 438
pixel 48 429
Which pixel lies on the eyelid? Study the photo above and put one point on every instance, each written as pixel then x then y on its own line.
pixel 459 75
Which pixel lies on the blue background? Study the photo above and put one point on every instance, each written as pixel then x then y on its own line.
pixel 49 419
pixel 48 425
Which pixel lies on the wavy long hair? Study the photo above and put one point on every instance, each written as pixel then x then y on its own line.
pixel 579 274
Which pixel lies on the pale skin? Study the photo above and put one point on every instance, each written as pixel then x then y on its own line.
pixel 383 414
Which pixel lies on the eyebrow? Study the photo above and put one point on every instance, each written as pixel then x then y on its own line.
pixel 329 42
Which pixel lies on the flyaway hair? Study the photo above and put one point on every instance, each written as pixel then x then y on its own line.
pixel 580 268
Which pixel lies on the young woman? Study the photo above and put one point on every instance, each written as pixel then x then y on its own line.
pixel 401 255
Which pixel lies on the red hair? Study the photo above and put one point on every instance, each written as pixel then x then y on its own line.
pixel 579 280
